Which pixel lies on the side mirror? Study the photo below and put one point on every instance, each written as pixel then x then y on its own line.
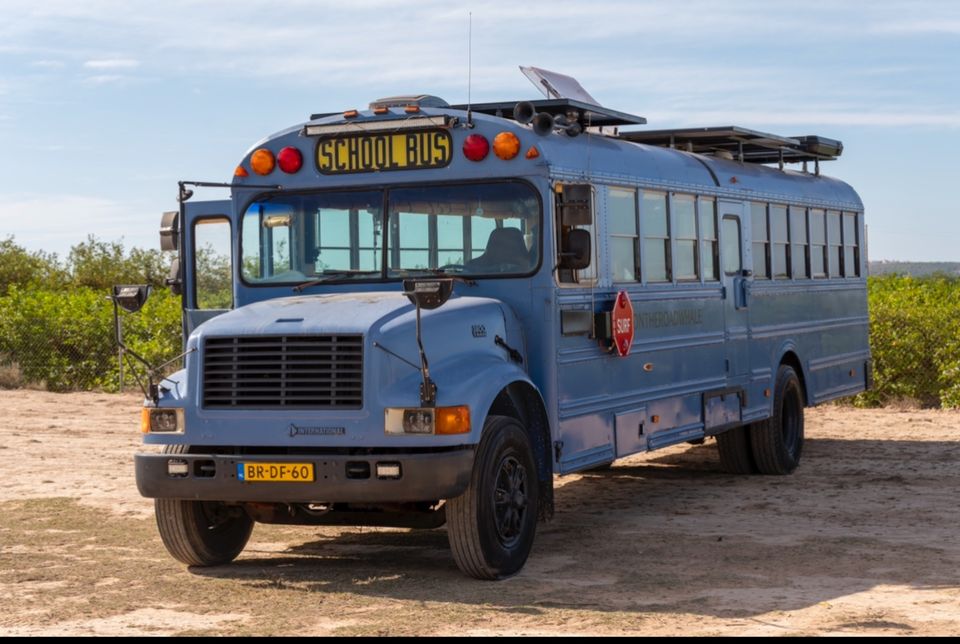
pixel 428 294
pixel 170 231
pixel 575 253
pixel 131 298
pixel 174 279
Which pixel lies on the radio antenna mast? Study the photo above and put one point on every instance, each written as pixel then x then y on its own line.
pixel 469 69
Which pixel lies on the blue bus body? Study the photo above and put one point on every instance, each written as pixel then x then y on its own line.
pixel 710 334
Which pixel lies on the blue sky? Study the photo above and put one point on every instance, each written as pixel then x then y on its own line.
pixel 105 104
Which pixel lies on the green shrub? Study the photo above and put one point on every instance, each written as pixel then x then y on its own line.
pixel 915 340
pixel 65 338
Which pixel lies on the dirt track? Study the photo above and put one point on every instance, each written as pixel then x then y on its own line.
pixel 862 539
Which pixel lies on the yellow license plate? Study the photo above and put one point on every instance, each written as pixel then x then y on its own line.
pixel 377 152
pixel 275 472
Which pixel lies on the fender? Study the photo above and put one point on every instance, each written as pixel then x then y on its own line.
pixel 789 346
pixel 474 379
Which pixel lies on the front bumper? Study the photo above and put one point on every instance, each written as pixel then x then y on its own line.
pixel 213 477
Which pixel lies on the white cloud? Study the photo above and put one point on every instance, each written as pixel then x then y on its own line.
pixel 112 63
pixel 103 79
pixel 919 27
pixel 810 117
pixel 48 64
pixel 54 223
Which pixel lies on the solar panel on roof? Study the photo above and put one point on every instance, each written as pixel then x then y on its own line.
pixel 743 144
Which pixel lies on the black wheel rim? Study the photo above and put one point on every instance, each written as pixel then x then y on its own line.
pixel 790 420
pixel 510 500
pixel 215 516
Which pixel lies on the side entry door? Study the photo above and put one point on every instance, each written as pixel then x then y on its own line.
pixel 207 251
pixel 734 232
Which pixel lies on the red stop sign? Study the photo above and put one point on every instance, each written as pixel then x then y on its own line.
pixel 622 323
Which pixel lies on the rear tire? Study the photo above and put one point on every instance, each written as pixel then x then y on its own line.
pixel 736 456
pixel 492 524
pixel 778 441
pixel 201 533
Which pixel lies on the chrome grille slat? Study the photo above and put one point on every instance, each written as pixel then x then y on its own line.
pixel 283 372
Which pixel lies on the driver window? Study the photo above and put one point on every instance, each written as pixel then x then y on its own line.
pixel 212 264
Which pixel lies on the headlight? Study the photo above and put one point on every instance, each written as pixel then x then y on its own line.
pixel 428 420
pixel 161 420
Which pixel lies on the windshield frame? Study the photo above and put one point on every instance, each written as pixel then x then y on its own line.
pixel 384 275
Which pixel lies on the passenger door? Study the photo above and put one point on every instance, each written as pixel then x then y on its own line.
pixel 734 238
pixel 207 249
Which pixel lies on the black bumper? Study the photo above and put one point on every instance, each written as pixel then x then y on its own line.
pixel 213 477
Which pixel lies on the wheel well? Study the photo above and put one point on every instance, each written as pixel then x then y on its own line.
pixel 790 358
pixel 521 401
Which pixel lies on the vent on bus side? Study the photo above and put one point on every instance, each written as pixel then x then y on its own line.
pixel 289 371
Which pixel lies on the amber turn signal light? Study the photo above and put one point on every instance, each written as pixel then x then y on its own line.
pixel 506 145
pixel 452 420
pixel 262 161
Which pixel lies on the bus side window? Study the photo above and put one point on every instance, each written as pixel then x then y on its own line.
pixel 212 263
pixel 761 241
pixel 731 245
pixel 622 228
pixel 779 242
pixel 851 247
pixel 798 243
pixel 655 228
pixel 709 247
pixel 686 267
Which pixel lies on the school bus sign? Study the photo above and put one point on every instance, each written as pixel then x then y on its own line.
pixel 378 152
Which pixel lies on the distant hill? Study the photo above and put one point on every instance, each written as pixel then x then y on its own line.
pixel 915 269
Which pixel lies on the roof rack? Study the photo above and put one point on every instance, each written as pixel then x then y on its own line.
pixel 742 144
pixel 588 115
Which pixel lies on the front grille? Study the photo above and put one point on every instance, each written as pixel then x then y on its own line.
pixel 283 372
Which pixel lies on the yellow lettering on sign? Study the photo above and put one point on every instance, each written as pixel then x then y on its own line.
pixel 418 150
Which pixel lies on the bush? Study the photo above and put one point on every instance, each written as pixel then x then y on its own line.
pixel 915 340
pixel 65 339
pixel 20 267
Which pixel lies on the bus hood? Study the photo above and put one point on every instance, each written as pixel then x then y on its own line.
pixel 349 313
pixel 309 314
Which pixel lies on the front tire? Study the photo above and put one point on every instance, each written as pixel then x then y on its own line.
pixel 201 533
pixel 492 524
pixel 778 441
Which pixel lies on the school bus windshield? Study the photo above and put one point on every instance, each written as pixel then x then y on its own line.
pixel 471 229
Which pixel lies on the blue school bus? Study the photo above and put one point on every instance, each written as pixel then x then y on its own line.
pixel 419 313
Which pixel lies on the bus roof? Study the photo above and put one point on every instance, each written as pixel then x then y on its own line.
pixel 634 158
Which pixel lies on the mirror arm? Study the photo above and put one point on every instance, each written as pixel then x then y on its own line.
pixel 428 388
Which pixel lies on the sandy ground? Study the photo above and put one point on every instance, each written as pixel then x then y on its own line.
pixel 861 540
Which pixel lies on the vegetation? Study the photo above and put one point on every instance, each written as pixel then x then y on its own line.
pixel 56 318
pixel 915 340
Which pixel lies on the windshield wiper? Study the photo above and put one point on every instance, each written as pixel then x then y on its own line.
pixel 326 276
pixel 433 272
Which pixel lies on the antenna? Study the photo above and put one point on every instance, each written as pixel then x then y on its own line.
pixel 469 69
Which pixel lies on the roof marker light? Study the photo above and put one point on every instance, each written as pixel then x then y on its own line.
pixel 381 110
pixel 262 161
pixel 411 109
pixel 506 145
pixel 290 160
pixel 241 172
pixel 476 147
pixel 349 114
